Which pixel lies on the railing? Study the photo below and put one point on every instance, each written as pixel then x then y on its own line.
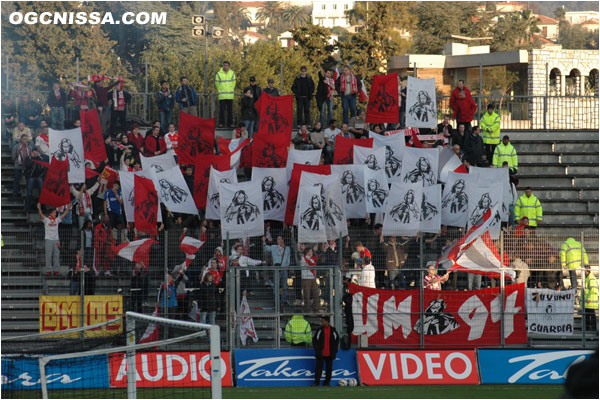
pixel 516 112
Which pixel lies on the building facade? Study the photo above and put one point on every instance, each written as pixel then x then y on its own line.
pixel 331 14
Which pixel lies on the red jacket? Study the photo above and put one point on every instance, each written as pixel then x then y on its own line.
pixel 463 109
pixel 103 240
pixel 137 141
pixel 150 145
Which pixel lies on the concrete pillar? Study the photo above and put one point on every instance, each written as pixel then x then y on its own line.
pixel 563 80
pixel 582 80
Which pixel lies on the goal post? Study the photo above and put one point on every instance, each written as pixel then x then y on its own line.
pixel 131 348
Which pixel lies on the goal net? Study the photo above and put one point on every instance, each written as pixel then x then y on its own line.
pixel 159 358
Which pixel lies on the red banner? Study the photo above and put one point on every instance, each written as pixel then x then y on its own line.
pixel 448 367
pixel 452 318
pixel 276 115
pixel 295 185
pixel 93 142
pixel 343 152
pixel 383 100
pixel 196 138
pixel 173 369
pixel 269 151
pixel 202 175
pixel 145 205
pixel 55 190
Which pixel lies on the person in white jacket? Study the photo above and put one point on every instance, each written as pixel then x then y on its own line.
pixel 367 274
pixel 239 259
pixel 84 202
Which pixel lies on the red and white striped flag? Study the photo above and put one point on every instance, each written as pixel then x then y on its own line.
pixel 449 162
pixel 414 139
pixel 151 332
pixel 246 323
pixel 190 247
pixel 336 73
pixel 362 95
pixel 233 148
pixel 136 251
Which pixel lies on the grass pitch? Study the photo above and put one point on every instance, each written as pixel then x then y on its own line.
pixel 334 392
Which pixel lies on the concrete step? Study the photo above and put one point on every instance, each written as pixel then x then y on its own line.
pixel 565 207
pixel 533 147
pixel 569 219
pixel 562 193
pixel 566 147
pixel 587 181
pixel 540 169
pixel 591 169
pixel 539 158
pixel 555 136
pixel 20 305
pixel 579 158
pixel 544 181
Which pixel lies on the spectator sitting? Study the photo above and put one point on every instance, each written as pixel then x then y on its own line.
pixel 316 136
pixel 153 144
pixel 30 112
pixel 378 129
pixel 329 136
pixel 136 138
pixel 345 132
pixel 302 140
pixel 358 125
pixel 459 136
pixel 19 131
pixel 9 116
pixel 42 128
pixel 445 128
pixel 458 151
pixel 42 143
pixel 21 153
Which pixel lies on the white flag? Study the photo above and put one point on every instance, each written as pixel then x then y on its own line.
pixel 448 162
pixel 274 187
pixel 431 209
pixel 550 312
pixel 127 185
pixel 213 203
pixel 480 200
pixel 242 213
pixel 373 158
pixel 376 188
pixel 307 157
pixel 455 199
pixel 421 107
pixel 496 177
pixel 394 151
pixel 403 210
pixel 172 190
pixel 311 221
pixel 420 165
pixel 246 323
pixel 159 163
pixel 353 190
pixel 68 145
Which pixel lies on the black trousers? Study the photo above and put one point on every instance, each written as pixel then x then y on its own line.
pixel 121 116
pixel 226 106
pixel 489 152
pixel 302 107
pixel 319 369
pixel 590 320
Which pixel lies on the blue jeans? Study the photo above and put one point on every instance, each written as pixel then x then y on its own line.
pixel 327 106
pixel 402 113
pixel 17 181
pixel 211 317
pixel 31 183
pixel 328 154
pixel 249 127
pixel 165 119
pixel 511 214
pixel 57 116
pixel 348 103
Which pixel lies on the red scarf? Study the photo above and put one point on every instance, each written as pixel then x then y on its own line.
pixel 84 203
pixel 354 84
pixel 45 138
pixel 310 261
pixel 118 100
pixel 305 136
pixel 24 153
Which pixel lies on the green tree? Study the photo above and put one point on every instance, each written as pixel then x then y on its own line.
pixel 41 54
pixel 270 13
pixel 515 31
pixel 313 42
pixel 577 37
pixel 295 16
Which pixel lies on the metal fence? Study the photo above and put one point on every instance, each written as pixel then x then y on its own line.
pixel 273 293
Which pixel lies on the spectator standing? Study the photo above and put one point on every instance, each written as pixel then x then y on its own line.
pixel 463 105
pixel 329 137
pixel 103 245
pixel 459 136
pixel 42 143
pixel 325 342
pixel 271 90
pixel 83 195
pixel 137 287
pixel 298 331
pixel 113 205
pixel 474 148
pixel 154 145
pixel 394 259
pixel 169 296
pixel 207 300
pixel 490 125
pixel 445 128
pixel 303 88
pixel 505 151
pixel 136 138
pixel 120 99
pixel 57 101
pixel 225 83
pixel 280 254
pixel 82 94
pixel 21 153
pixel 375 245
pixel 19 131
pixel 367 274
pixel 358 125
pixel 256 92
pixel 30 112
pixel 310 290
pixel 348 87
pixel 325 91
pixel 51 239
pixel 591 300
pixel 432 280
pixel 529 206
pixel 172 140
pixel 402 105
pixel 9 116
pixel 510 196
pixel 34 175
pixel 165 101
pixel 102 103
pixel 248 111
pixel 186 97
pixel 573 257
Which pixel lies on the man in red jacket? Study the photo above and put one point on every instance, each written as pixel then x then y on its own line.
pixel 153 144
pixel 463 105
pixel 103 246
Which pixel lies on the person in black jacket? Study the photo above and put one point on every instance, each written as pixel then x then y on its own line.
pixel 324 96
pixel 34 174
pixel 207 300
pixel 256 92
pixel 57 101
pixel 303 88
pixel 249 112
pixel 474 147
pixel 325 341
pixel 271 90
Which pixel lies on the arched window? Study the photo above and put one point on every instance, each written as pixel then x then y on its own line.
pixel 572 83
pixel 591 87
pixel 554 82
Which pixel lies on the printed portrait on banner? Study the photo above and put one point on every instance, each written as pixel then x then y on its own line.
pixel 421 107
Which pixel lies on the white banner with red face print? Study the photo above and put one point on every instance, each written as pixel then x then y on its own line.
pixel 451 318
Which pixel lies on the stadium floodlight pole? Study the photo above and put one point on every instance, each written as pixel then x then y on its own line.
pixel 131 360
